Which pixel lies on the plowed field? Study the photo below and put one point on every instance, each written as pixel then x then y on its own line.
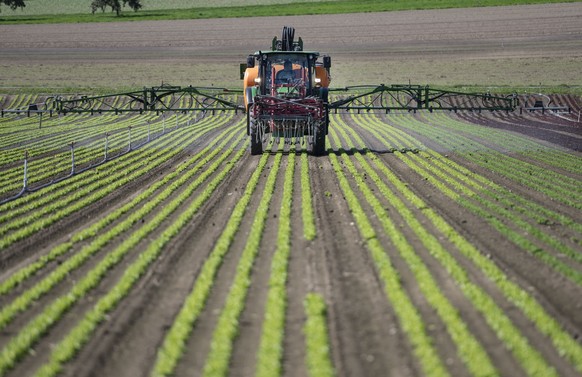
pixel 420 244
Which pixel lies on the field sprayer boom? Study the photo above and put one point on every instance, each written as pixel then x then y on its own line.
pixel 286 94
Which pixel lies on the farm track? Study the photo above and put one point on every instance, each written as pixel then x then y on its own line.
pixel 433 251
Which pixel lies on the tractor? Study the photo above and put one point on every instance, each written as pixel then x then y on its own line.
pixel 286 95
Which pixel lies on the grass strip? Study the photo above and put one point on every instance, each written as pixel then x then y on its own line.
pixel 289 9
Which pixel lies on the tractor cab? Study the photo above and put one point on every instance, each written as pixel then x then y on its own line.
pixel 286 75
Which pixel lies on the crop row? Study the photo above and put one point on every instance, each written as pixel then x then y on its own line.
pixel 40 146
pixel 555 185
pixel 68 347
pixel 59 160
pixel 407 314
pixel 25 132
pixel 19 101
pixel 218 359
pixel 271 344
pixel 520 218
pixel 173 345
pixel 318 358
pixel 563 343
pixel 309 230
pixel 550 156
pixel 174 179
pixel 61 130
pixel 68 197
pixel 65 349
pixel 56 187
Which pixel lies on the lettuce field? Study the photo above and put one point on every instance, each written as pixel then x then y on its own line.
pixel 437 244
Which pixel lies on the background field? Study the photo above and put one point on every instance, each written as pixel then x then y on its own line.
pixel 535 47
pixel 75 12
pixel 39 7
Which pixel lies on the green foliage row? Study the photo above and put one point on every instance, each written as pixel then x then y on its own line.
pixel 81 332
pixel 18 102
pixel 309 230
pixel 483 185
pixel 89 148
pixel 317 356
pixel 554 156
pixel 469 349
pixel 564 344
pixel 173 345
pixel 555 185
pixel 410 320
pixel 75 260
pixel 25 132
pixel 47 167
pixel 270 353
pixel 175 179
pixel 90 188
pixel 217 363
pixel 70 345
pixel 492 202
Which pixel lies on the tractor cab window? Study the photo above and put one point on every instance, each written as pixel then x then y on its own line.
pixel 288 75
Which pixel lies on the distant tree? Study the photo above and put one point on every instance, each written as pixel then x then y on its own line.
pixel 13 4
pixel 114 4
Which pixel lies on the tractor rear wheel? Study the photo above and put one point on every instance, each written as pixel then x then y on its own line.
pixel 256 139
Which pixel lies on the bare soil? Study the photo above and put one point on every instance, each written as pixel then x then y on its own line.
pixel 499 46
pixel 496 46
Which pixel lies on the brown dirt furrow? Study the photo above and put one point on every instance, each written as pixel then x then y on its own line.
pixel 461 220
pixel 365 335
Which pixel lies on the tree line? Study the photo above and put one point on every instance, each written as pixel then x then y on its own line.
pixel 96 5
